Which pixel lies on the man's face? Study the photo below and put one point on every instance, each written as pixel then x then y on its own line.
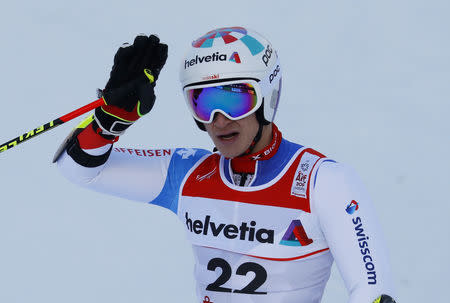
pixel 232 137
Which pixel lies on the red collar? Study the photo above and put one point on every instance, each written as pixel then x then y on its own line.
pixel 247 163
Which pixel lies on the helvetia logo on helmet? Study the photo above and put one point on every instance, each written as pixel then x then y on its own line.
pixel 210 58
pixel 245 231
pixel 235 57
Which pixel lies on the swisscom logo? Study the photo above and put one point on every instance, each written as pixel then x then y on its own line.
pixel 230 35
pixel 352 207
pixel 363 243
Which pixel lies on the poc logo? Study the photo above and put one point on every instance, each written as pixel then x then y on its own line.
pixel 274 74
pixel 267 55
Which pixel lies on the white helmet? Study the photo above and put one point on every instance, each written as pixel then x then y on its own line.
pixel 235 53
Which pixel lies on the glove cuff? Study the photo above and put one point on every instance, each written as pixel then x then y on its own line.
pixel 110 125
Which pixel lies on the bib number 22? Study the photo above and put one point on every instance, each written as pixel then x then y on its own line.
pixel 242 270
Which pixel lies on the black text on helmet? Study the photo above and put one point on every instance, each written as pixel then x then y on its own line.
pixel 267 54
pixel 213 57
pixel 274 74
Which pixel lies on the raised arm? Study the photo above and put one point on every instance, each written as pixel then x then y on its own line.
pixel 87 156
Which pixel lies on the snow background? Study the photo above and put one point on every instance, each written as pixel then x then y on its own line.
pixel 365 82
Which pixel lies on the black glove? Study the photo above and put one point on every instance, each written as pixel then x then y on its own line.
pixel 129 93
pixel 384 299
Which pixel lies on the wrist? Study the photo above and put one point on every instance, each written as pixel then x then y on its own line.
pixel 110 124
pixel 92 137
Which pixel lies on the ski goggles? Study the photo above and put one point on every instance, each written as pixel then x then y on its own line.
pixel 234 99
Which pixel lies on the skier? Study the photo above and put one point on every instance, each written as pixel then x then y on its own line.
pixel 266 217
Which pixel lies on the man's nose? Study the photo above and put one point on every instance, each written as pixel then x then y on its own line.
pixel 220 121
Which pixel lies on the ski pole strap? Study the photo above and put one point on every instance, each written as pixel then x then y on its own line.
pixel 73 144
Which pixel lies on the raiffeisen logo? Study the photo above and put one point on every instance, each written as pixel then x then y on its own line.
pixel 245 231
pixel 210 58
pixel 230 35
pixel 352 207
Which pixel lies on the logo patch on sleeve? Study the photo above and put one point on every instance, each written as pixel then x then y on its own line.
pixel 301 177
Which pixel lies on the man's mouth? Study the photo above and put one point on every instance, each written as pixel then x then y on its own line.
pixel 228 136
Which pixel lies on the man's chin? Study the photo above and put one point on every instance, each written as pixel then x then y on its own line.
pixel 229 152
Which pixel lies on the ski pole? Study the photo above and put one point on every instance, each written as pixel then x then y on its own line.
pixel 52 124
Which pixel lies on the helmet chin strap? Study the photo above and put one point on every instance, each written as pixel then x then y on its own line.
pixel 254 142
pixel 261 122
